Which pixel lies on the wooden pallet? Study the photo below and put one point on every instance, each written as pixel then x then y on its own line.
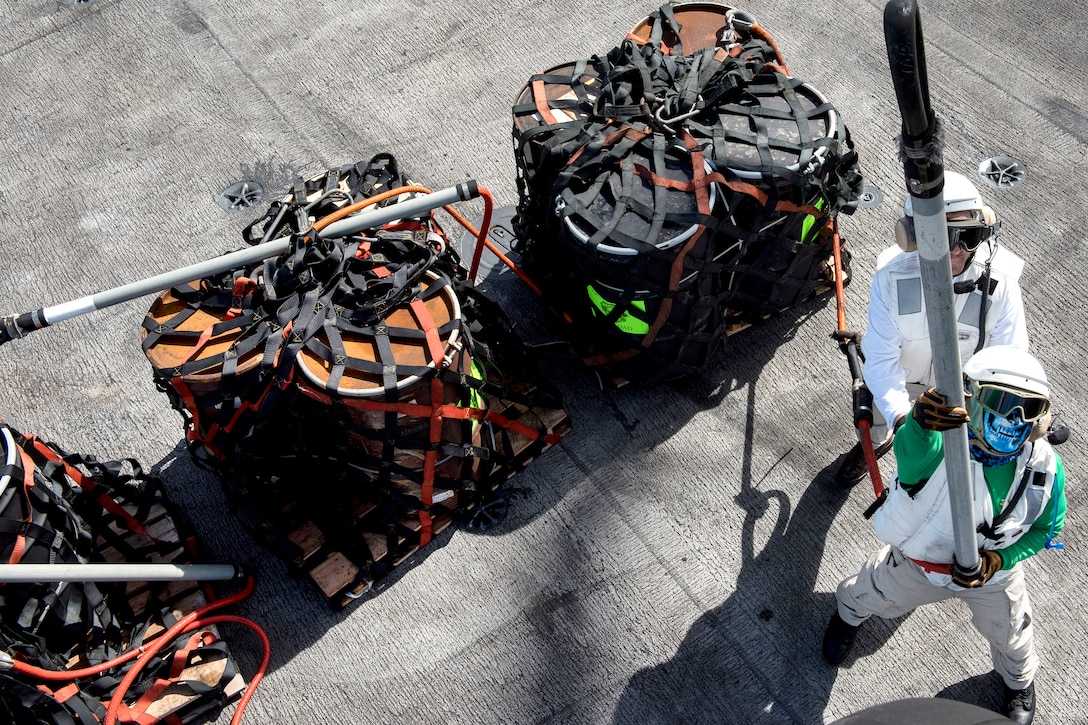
pixel 343 578
pixel 147 601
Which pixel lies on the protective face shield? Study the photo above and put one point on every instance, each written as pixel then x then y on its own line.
pixel 970 222
pixel 1008 395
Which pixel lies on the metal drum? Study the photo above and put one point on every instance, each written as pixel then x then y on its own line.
pixel 381 384
pixel 799 123
pixel 561 97
pixel 642 248
pixel 777 147
pixel 697 26
pixel 205 346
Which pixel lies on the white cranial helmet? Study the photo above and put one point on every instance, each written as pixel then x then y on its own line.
pixel 1008 366
pixel 1009 397
pixel 959 195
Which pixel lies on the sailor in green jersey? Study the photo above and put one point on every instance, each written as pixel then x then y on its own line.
pixel 1018 485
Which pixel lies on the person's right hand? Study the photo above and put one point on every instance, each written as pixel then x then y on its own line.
pixel 932 412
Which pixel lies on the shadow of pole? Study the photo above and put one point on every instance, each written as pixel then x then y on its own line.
pixel 756 657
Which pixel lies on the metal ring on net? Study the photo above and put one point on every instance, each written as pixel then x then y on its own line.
pixel 322 194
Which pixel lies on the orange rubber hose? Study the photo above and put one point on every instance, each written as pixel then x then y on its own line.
pixel 758 30
pixel 840 304
pixel 480 234
pixel 183 625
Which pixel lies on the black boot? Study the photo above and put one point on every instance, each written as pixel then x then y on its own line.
pixel 838 639
pixel 853 468
pixel 1019 705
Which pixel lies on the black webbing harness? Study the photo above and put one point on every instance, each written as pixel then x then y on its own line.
pixel 586 131
pixel 372 472
pixel 60 508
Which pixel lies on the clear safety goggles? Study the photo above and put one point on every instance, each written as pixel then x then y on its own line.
pixel 1003 401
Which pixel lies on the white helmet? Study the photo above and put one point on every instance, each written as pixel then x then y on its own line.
pixel 1009 366
pixel 970 230
pixel 1009 395
pixel 959 195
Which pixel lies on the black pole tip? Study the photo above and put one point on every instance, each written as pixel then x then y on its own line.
pixel 468 189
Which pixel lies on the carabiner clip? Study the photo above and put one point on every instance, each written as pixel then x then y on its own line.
pixel 696 110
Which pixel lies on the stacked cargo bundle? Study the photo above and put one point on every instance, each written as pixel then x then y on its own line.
pixel 677 188
pixel 69 640
pixel 357 393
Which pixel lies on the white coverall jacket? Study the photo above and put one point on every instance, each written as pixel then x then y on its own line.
pixel 898 357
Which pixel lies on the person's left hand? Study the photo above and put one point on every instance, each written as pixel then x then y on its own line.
pixel 989 561
pixel 932 412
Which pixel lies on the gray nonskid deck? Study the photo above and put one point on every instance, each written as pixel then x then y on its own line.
pixel 674 558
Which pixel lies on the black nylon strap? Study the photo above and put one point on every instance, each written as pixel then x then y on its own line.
pixel 1030 475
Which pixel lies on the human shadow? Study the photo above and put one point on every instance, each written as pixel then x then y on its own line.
pixel 756 657
pixel 981 690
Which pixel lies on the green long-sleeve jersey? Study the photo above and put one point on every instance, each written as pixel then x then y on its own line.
pixel 918 452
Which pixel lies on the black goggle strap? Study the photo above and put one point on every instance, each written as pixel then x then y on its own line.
pixel 1003 401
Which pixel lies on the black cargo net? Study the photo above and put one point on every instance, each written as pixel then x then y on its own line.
pixel 61 508
pixel 378 395
pixel 608 148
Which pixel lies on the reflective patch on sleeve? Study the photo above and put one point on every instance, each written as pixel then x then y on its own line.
pixel 909 292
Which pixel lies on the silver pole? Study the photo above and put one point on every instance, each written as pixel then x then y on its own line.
pixel 132 290
pixel 32 573
pixel 403 210
pixel 931 232
pixel 17 326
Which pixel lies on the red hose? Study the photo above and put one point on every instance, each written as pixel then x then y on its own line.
pixel 144 654
pixel 840 303
pixel 480 234
pixel 482 241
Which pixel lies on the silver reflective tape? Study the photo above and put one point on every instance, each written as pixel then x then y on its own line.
pixel 909 292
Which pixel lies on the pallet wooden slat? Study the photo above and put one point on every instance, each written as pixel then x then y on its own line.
pixel 341 578
pixel 179 598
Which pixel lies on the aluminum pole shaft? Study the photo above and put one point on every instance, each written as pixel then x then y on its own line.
pixel 923 168
pixel 931 232
pixel 404 210
pixel 18 325
pixel 32 573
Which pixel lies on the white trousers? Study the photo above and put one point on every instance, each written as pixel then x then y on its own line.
pixel 890 585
